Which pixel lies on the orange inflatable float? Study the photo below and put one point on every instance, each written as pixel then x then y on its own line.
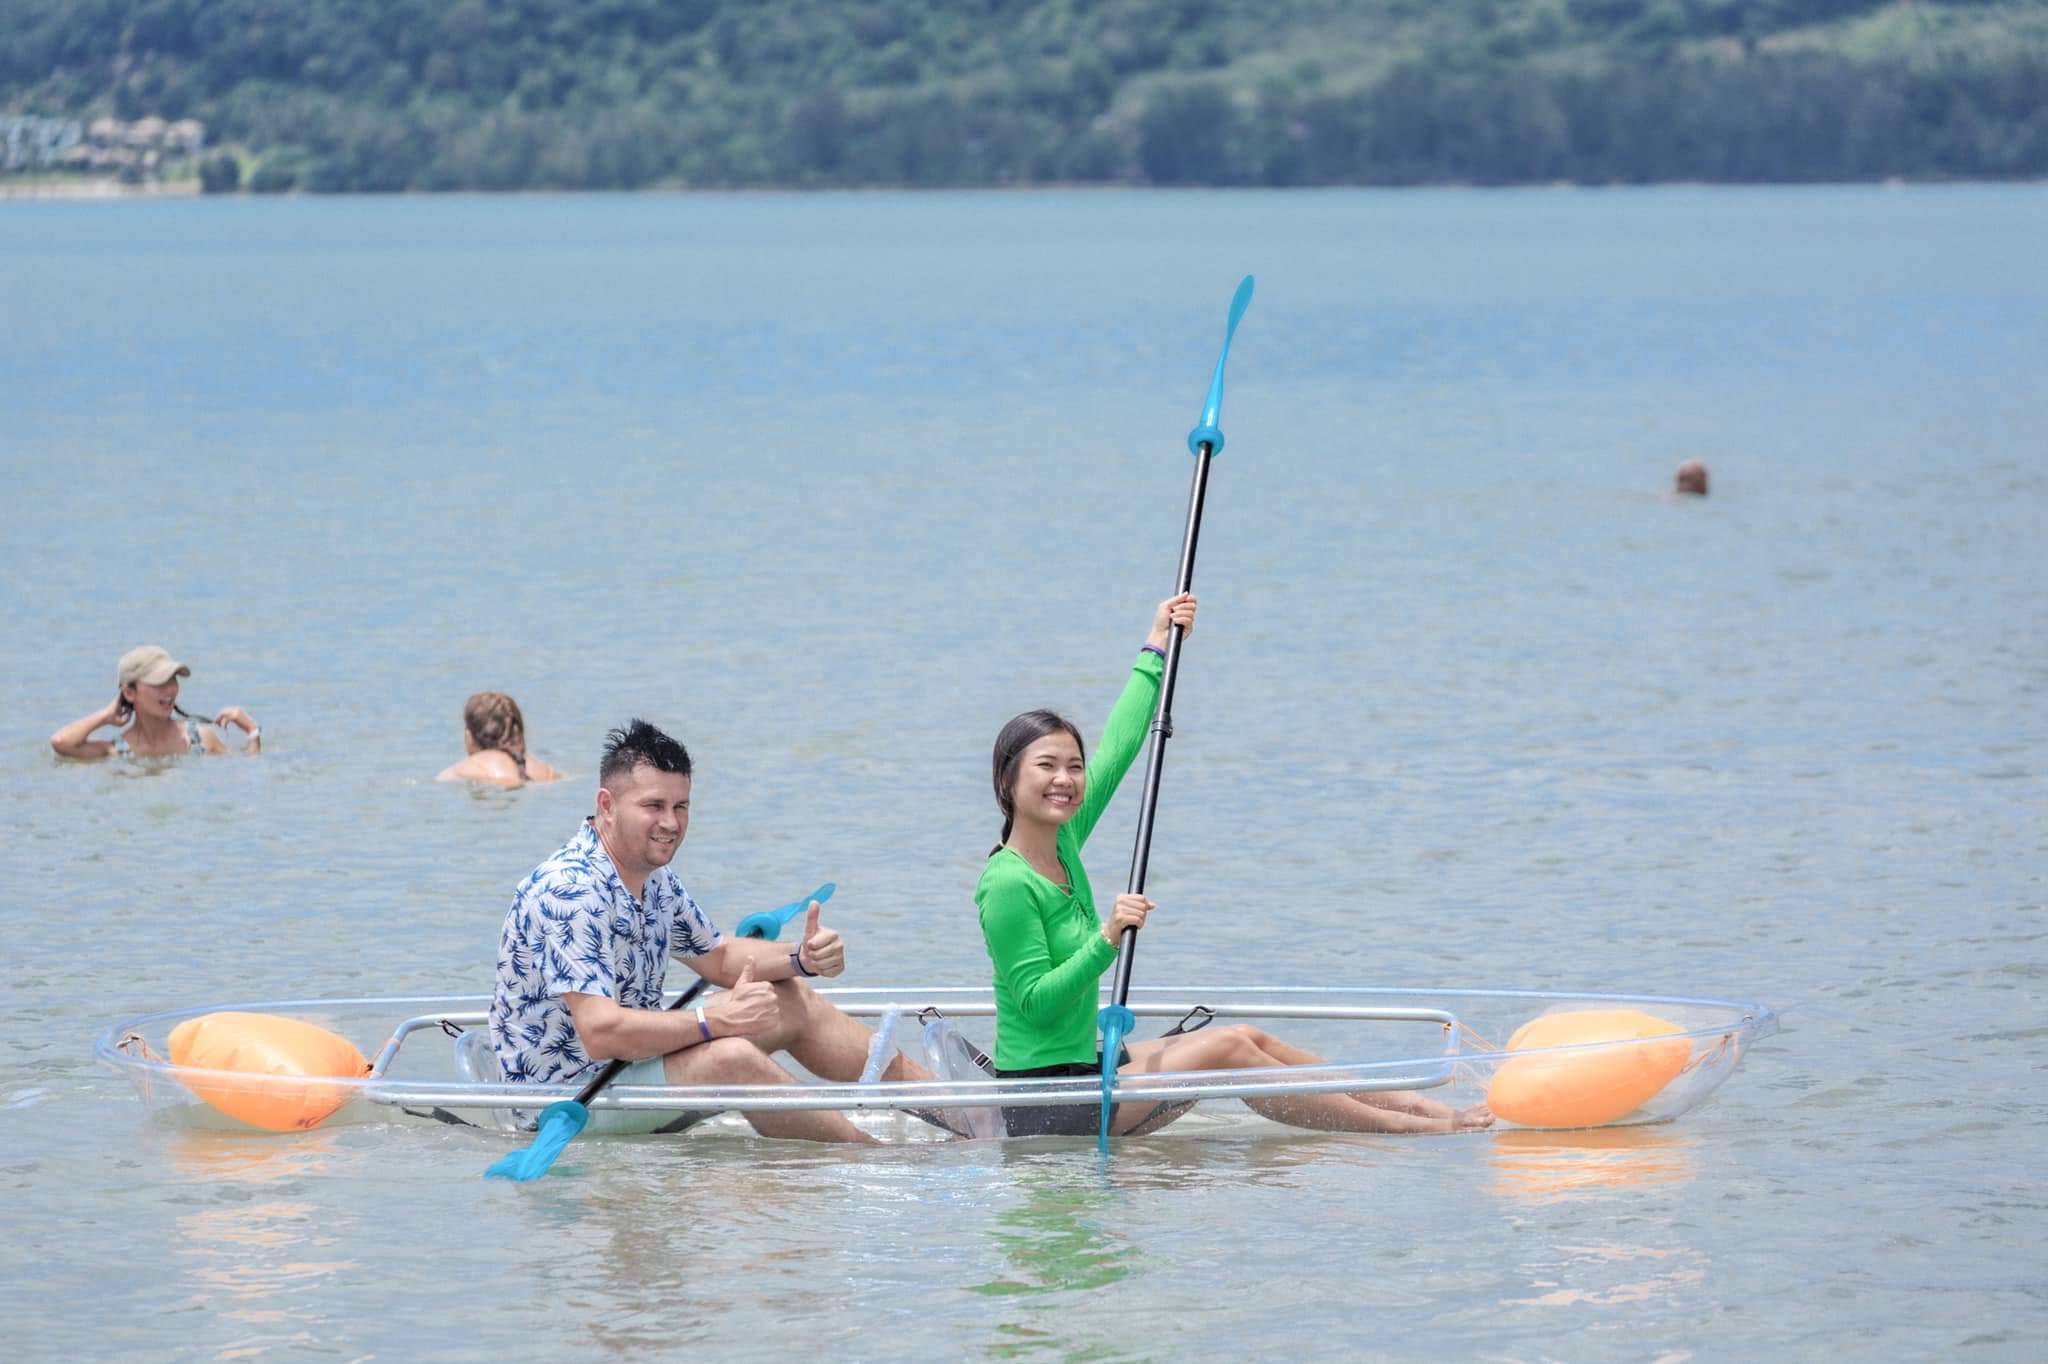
pixel 1592 1087
pixel 266 1046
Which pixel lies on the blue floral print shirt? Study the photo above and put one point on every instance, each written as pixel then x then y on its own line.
pixel 574 927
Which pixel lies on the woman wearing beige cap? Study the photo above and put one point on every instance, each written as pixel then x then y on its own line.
pixel 148 696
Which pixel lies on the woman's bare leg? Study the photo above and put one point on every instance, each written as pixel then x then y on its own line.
pixel 1241 1047
pixel 1400 1100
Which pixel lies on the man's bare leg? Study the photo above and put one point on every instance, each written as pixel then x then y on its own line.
pixel 738 1061
pixel 826 1041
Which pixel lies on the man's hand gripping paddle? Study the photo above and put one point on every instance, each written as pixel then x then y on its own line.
pixel 1204 442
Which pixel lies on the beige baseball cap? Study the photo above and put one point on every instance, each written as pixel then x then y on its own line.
pixel 150 664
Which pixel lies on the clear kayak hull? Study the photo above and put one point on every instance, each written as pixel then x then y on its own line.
pixel 428 1061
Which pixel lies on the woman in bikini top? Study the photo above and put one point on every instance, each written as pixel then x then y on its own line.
pixel 145 707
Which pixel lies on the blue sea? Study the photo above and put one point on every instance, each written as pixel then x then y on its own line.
pixel 830 486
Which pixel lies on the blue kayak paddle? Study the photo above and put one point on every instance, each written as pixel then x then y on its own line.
pixel 560 1122
pixel 1204 442
pixel 768 923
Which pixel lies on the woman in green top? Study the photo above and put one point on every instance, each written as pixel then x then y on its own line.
pixel 1050 945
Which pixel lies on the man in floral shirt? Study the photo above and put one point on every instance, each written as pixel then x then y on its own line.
pixel 585 949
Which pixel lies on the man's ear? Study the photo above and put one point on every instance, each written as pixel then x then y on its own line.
pixel 604 801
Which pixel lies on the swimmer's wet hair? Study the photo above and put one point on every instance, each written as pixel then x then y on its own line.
pixel 640 743
pixel 493 720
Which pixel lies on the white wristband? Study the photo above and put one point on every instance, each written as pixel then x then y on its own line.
pixel 703 1024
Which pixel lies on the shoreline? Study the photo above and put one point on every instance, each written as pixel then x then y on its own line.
pixel 100 189
pixel 190 189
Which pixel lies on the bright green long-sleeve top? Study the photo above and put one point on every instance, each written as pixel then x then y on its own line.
pixel 1046 940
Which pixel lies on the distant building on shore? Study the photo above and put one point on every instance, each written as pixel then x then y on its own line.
pixel 142 149
pixel 30 143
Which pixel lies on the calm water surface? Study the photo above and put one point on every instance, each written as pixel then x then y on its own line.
pixel 833 485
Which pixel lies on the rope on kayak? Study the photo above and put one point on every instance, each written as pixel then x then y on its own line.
pixel 129 1044
pixel 131 1041
pixel 1456 1036
pixel 1725 1044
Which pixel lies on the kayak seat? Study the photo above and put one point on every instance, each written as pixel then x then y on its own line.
pixel 478 1064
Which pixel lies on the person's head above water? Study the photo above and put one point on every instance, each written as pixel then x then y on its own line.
pixel 1692 479
pixel 494 733
pixel 147 682
pixel 1015 744
pixel 491 719
pixel 149 664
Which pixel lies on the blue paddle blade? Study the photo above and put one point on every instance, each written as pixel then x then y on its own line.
pixel 768 923
pixel 1115 1021
pixel 559 1124
pixel 1212 409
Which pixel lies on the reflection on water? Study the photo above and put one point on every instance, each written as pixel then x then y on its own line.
pixel 1656 1264
pixel 1050 1245
pixel 244 1157
pixel 647 1227
pixel 249 1255
pixel 1052 1241
pixel 1550 1167
pixel 1652 1274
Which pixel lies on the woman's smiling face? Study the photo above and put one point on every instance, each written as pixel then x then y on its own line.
pixel 1051 780
pixel 158 701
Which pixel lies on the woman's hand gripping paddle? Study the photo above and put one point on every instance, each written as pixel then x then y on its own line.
pixel 560 1122
pixel 1204 442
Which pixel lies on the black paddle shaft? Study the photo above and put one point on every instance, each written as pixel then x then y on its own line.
pixel 1162 726
pixel 613 1067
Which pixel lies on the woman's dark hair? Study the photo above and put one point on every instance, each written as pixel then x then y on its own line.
pixel 636 743
pixel 1022 732
pixel 493 720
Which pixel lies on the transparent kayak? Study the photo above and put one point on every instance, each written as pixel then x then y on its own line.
pixel 431 1058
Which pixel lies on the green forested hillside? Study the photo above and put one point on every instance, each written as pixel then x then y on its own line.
pixel 332 95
